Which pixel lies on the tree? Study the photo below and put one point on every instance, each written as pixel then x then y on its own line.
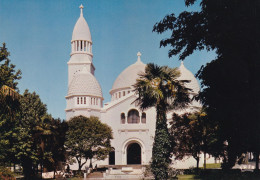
pixel 87 138
pixel 28 135
pixel 193 133
pixel 9 104
pixel 56 144
pixel 230 87
pixel 31 127
pixel 187 137
pixel 158 87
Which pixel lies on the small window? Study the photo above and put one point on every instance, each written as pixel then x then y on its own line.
pixel 133 117
pixel 122 118
pixel 143 118
pixel 81 100
pixel 81 45
pixel 77 100
pixel 97 101
pixel 91 101
pixel 128 92
pixel 123 93
pixel 119 94
pixel 84 100
pixel 116 95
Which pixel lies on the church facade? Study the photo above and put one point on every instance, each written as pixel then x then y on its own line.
pixel 133 129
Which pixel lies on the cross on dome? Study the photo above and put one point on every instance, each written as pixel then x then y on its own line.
pixel 81 9
pixel 139 56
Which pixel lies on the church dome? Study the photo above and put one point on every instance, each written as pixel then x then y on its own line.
pixel 81 30
pixel 84 83
pixel 128 77
pixel 187 75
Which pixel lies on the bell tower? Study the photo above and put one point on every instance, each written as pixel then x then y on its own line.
pixel 81 48
pixel 84 92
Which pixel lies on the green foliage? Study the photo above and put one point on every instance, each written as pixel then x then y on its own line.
pixel 87 138
pixel 158 87
pixel 9 106
pixel 193 133
pixel 230 82
pixel 38 138
pixel 30 129
pixel 28 135
pixel 8 74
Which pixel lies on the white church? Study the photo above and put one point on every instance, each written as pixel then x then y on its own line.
pixel 133 129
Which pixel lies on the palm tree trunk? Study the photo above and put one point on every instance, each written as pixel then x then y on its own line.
pixel 161 147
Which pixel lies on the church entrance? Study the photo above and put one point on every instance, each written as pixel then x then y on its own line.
pixel 134 154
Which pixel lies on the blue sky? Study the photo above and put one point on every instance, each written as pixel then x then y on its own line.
pixel 38 35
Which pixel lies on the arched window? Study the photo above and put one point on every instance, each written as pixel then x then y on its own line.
pixel 143 118
pixel 77 100
pixel 133 116
pixel 84 100
pixel 123 93
pixel 81 102
pixel 122 118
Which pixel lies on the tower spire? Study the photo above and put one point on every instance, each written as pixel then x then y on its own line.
pixel 81 9
pixel 139 57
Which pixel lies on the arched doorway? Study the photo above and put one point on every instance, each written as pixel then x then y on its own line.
pixel 134 154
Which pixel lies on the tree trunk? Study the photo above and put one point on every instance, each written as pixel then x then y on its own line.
pixel 80 165
pixel 90 163
pixel 41 169
pixel 27 169
pixel 205 160
pixel 257 161
pixel 161 147
pixel 198 162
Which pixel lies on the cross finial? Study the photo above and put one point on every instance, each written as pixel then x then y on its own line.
pixel 81 9
pixel 182 63
pixel 139 56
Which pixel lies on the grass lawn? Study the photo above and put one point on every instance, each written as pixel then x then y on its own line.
pixel 212 166
pixel 190 176
pixel 222 176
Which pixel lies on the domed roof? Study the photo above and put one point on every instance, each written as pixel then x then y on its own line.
pixel 128 77
pixel 84 83
pixel 81 30
pixel 187 75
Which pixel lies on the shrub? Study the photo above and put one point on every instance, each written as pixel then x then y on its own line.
pixel 6 174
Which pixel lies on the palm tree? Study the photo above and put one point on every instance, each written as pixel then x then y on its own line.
pixel 159 87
